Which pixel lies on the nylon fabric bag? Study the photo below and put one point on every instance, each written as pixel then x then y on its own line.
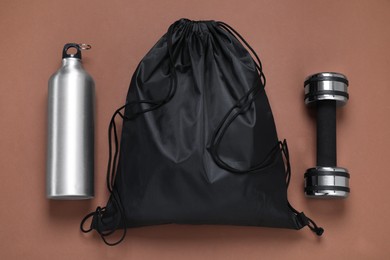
pixel 198 143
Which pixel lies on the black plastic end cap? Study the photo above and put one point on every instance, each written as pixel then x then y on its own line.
pixel 319 231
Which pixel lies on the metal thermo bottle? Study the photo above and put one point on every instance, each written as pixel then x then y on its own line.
pixel 70 143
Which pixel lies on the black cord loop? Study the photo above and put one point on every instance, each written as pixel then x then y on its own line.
pixel 242 105
pixel 302 218
pixel 113 157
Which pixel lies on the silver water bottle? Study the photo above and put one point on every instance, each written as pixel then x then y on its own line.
pixel 70 143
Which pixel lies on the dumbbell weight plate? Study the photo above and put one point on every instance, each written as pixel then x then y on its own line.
pixel 327 182
pixel 326 86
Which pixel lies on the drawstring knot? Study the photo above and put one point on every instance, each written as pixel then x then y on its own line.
pixel 305 221
pixel 97 217
pixel 97 214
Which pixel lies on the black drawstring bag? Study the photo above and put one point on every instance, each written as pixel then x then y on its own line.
pixel 199 143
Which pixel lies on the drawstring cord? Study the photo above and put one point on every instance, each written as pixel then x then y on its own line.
pixel 241 106
pixel 110 178
pixel 302 218
pixel 112 160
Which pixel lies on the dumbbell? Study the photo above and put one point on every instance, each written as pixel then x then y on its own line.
pixel 326 91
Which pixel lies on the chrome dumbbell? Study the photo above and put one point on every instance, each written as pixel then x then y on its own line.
pixel 326 91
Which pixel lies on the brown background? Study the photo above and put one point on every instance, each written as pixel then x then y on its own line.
pixel 293 39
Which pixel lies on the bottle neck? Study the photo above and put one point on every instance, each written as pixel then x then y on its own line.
pixel 73 62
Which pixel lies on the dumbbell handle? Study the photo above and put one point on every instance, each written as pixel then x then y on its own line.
pixel 326 133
